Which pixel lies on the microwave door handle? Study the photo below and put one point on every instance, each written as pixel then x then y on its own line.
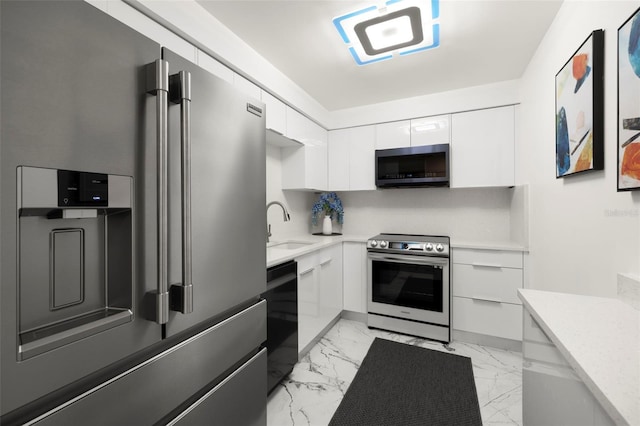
pixel 158 85
pixel 181 296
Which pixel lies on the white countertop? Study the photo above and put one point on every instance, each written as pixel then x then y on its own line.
pixel 496 245
pixel 600 339
pixel 276 256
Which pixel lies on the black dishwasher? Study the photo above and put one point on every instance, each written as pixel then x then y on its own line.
pixel 282 321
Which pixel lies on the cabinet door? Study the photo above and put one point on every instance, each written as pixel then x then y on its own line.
pixel 362 159
pixel 331 283
pixel 338 160
pixel 304 167
pixel 308 301
pixel 355 277
pixel 431 130
pixel 303 130
pixel 296 124
pixel 395 134
pixel 276 113
pixel 316 166
pixel 482 148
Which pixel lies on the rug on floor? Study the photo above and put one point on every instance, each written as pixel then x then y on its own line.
pixel 404 385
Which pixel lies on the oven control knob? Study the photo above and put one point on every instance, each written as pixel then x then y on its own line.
pixel 428 247
pixel 440 247
pixel 383 244
pixel 373 243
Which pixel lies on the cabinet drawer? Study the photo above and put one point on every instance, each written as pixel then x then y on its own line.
pixel 501 258
pixel 490 283
pixel 489 318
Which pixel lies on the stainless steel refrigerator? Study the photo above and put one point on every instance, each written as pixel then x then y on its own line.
pixel 132 222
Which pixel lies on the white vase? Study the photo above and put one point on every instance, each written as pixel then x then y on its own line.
pixel 327 225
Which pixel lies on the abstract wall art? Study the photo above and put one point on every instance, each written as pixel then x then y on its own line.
pixel 629 104
pixel 580 109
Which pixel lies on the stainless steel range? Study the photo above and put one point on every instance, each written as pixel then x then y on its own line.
pixel 409 285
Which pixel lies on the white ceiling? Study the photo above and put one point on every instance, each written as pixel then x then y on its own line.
pixel 481 42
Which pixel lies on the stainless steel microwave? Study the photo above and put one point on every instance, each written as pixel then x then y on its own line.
pixel 413 166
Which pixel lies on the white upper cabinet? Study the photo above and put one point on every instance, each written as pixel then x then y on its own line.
pixel 362 155
pixel 416 132
pixel 303 130
pixel 482 148
pixel 338 159
pixel 395 134
pixel 431 130
pixel 351 161
pixel 276 113
pixel 304 167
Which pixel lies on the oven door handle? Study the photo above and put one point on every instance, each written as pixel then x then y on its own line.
pixel 418 260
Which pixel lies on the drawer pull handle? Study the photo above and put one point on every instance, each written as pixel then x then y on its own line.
pixel 486 299
pixel 484 265
pixel 306 272
pixel 326 262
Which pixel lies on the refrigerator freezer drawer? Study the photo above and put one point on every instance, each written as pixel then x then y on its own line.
pixel 221 405
pixel 169 382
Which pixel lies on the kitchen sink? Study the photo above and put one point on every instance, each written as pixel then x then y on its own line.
pixel 288 245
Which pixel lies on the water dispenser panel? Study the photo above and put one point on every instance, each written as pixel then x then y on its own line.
pixel 82 189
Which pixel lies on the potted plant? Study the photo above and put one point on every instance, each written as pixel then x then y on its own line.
pixel 327 206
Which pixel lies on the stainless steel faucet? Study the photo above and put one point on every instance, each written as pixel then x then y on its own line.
pixel 285 216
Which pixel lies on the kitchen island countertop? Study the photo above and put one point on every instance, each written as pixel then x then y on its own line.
pixel 600 338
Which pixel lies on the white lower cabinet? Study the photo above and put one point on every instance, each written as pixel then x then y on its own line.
pixel 485 286
pixel 319 292
pixel 354 276
pixel 552 392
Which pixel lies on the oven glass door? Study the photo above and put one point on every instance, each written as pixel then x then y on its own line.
pixel 413 287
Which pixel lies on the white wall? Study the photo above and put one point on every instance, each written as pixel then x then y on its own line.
pixel 582 232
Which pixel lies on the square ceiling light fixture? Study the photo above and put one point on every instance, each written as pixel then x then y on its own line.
pixel 375 33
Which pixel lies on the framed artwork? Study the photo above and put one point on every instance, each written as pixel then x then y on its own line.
pixel 629 104
pixel 580 109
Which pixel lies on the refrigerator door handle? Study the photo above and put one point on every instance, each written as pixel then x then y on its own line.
pixel 181 296
pixel 158 85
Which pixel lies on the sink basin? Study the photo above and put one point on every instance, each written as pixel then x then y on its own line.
pixel 288 245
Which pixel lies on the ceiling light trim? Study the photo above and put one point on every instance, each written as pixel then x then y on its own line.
pixel 436 42
pixel 413 13
pixel 356 40
pixel 338 21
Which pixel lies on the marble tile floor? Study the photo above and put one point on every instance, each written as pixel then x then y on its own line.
pixel 312 392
